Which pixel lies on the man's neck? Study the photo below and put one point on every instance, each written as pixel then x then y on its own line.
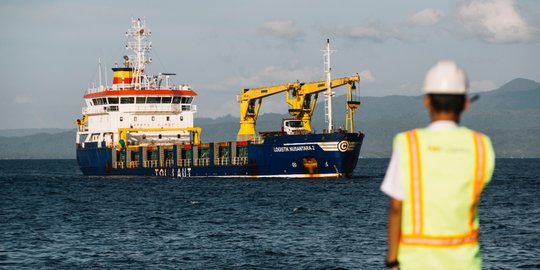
pixel 447 116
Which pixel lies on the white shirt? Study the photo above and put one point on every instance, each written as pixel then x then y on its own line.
pixel 391 184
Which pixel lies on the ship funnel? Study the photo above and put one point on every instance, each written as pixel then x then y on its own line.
pixel 122 77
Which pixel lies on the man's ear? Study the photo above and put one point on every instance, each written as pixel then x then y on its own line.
pixel 427 102
pixel 467 104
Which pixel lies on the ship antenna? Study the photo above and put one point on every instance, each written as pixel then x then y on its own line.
pixel 329 94
pixel 106 80
pixel 140 45
pixel 99 73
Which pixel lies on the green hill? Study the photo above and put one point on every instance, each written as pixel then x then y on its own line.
pixel 510 115
pixel 58 145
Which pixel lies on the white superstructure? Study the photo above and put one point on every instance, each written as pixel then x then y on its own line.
pixel 148 109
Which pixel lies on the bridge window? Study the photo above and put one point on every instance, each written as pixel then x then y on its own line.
pixel 127 100
pixel 166 100
pixel 187 100
pixel 153 100
pixel 113 100
pixel 100 101
pixel 176 100
pixel 141 100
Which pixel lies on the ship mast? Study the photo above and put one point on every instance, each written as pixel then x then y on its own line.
pixel 139 43
pixel 100 85
pixel 329 94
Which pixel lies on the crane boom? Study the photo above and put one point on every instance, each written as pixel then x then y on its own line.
pixel 250 103
pixel 304 99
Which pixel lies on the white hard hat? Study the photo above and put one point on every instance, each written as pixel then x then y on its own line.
pixel 446 77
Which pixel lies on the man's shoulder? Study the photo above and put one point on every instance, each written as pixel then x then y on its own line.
pixel 401 135
pixel 404 133
pixel 475 132
pixel 400 139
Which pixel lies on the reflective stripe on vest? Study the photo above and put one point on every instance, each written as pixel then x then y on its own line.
pixel 417 237
pixel 416 182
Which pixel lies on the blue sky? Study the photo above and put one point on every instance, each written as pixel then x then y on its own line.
pixel 50 49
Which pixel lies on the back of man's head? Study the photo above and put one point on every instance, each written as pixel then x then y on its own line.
pixel 448 103
pixel 447 85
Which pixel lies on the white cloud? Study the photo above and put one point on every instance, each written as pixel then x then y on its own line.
pixel 374 31
pixel 23 100
pixel 495 21
pixel 283 29
pixel 426 17
pixel 367 76
pixel 483 86
pixel 271 75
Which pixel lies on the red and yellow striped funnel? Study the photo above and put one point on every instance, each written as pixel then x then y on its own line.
pixel 122 75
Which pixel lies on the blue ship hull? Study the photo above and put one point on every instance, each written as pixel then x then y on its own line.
pixel 290 156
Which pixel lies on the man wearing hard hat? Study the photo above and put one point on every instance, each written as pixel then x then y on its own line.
pixel 434 181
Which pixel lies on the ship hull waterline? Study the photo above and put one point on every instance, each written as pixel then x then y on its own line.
pixel 333 155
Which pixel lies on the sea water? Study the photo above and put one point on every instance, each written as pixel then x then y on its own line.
pixel 52 217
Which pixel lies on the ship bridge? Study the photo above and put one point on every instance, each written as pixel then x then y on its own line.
pixel 151 107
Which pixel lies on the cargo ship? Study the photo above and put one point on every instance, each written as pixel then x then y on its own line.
pixel 143 125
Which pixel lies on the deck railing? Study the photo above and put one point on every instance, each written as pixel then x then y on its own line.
pixel 184 162
pixel 118 165
pixel 201 162
pixel 169 163
pixel 133 164
pixel 221 161
pixel 240 161
pixel 151 164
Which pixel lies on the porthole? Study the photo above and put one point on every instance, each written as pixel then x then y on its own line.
pixel 168 118
pixel 153 118
pixel 135 118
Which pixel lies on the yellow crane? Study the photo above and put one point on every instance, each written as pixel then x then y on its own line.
pixel 303 100
pixel 250 104
pixel 352 105
pixel 81 122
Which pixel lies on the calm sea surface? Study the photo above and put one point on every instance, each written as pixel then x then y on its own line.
pixel 52 217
